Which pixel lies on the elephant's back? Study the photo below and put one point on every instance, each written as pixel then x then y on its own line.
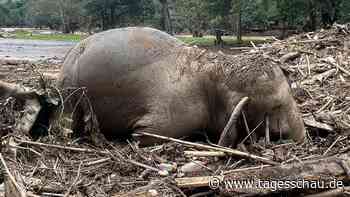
pixel 115 53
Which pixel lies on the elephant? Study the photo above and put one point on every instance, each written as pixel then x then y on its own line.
pixel 140 79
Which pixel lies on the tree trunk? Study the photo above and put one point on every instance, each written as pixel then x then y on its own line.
pixel 310 21
pixel 112 17
pixel 104 19
pixel 166 19
pixel 63 16
pixel 329 12
pixel 284 29
pixel 312 15
pixel 239 21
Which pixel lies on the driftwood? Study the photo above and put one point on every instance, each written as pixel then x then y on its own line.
pixel 333 62
pixel 332 193
pixel 62 147
pixel 13 188
pixel 242 48
pixel 315 124
pixel 267 130
pixel 150 190
pixel 204 154
pixel 215 148
pixel 289 56
pixel 32 108
pixel 16 91
pixel 325 169
pixel 32 104
pixel 320 77
pixel 139 193
pixel 313 41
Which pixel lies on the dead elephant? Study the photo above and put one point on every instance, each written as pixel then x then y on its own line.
pixel 141 79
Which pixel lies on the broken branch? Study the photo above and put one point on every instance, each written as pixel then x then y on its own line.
pixel 289 56
pixel 222 149
pixel 62 147
pixel 309 170
pixel 204 154
pixel 315 124
pixel 16 91
pixel 17 188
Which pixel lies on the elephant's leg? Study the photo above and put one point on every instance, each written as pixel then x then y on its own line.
pixel 154 125
pixel 177 126
pixel 78 125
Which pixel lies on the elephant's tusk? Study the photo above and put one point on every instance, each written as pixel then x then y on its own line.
pixel 230 128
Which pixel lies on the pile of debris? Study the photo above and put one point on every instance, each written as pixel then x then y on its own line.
pixel 318 65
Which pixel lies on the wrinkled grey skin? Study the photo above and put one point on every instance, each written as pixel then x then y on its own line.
pixel 141 79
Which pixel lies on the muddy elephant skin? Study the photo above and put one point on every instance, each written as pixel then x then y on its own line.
pixel 142 79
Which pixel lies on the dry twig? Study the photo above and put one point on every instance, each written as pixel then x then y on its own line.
pixel 222 149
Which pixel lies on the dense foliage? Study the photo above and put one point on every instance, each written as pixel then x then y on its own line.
pixel 175 15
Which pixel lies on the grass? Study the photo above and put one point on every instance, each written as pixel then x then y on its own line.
pixel 57 37
pixel 228 40
pixel 200 41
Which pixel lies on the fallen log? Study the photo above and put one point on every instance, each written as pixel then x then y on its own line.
pixel 31 101
pixel 332 193
pixel 289 56
pixel 323 170
pixel 16 91
pixel 320 77
pixel 319 125
pixel 142 193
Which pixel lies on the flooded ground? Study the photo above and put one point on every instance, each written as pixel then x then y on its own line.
pixel 33 50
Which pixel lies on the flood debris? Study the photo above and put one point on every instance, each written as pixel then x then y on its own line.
pixel 318 66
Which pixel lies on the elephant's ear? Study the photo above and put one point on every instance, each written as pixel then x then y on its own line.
pixel 287 73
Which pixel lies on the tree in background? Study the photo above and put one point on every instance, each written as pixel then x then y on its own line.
pixel 41 13
pixel 4 12
pixel 220 12
pixel 238 10
pixel 149 15
pixel 329 11
pixel 103 12
pixel 193 15
pixel 54 14
pixel 108 14
pixel 344 14
pixel 196 16
pixel 166 20
pixel 310 23
pixel 13 13
pixel 70 15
